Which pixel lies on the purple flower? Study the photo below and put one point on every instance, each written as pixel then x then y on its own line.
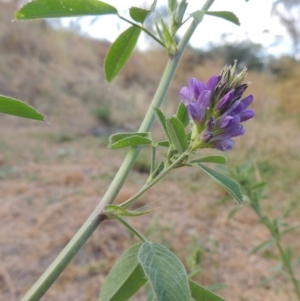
pixel 217 110
pixel 197 97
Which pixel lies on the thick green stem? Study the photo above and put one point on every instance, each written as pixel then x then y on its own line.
pixel 78 240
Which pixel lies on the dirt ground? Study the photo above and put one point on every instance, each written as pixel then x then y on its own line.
pixel 53 175
pixel 50 184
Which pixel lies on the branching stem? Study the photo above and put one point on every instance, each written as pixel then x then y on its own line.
pixel 132 229
pixel 145 30
pixel 93 221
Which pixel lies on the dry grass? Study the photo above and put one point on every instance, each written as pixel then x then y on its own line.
pixel 52 176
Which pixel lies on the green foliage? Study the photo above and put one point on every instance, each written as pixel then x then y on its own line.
pixel 129 139
pixel 112 211
pixel 246 175
pixel 16 107
pixel 139 14
pixel 177 134
pixel 125 278
pixel 148 261
pixel 226 15
pixel 166 37
pixel 120 51
pixel 165 273
pixel 66 8
pixel 182 114
pixel 228 184
pixel 162 120
pixel 210 159
pixel 199 293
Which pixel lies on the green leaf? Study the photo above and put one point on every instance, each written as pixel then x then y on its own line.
pixel 19 108
pixel 228 184
pixel 263 246
pixel 168 40
pixel 158 169
pixel 139 14
pixel 119 136
pixel 177 134
pixel 182 115
pixel 153 5
pixel 63 8
pixel 130 141
pixel 164 143
pixel 198 15
pixel 216 287
pixel 227 15
pixel 120 51
pixel 125 278
pixel 165 272
pixel 199 293
pixel 290 229
pixel 160 33
pixel 112 211
pixel 234 211
pixel 211 159
pixel 162 120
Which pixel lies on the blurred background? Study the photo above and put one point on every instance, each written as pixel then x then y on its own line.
pixel 53 175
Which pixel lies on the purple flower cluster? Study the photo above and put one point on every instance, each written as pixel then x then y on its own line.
pixel 216 109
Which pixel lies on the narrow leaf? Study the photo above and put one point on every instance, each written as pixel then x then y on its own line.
pixel 263 246
pixel 228 184
pixel 162 120
pixel 63 8
pixel 164 143
pixel 165 273
pixel 160 33
pixel 227 15
pixel 216 287
pixel 19 108
pixel 290 229
pixel 119 136
pixel 168 40
pixel 211 159
pixel 125 278
pixel 130 141
pixel 120 51
pixel 182 115
pixel 234 211
pixel 139 14
pixel 153 5
pixel 177 134
pixel 112 211
pixel 199 293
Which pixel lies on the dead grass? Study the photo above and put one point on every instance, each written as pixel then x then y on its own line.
pixel 52 176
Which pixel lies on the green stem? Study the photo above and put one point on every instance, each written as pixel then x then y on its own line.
pixel 167 170
pixel 145 30
pixel 86 230
pixel 287 264
pixel 153 160
pixel 132 229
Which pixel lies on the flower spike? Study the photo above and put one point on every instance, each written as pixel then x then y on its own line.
pixel 216 108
